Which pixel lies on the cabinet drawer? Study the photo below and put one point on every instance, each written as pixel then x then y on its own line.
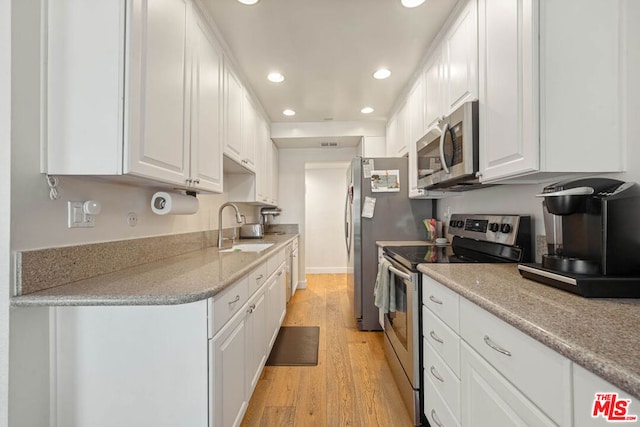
pixel 435 408
pixel 443 378
pixel 442 301
pixel 543 375
pixel 227 303
pixel 274 262
pixel 257 278
pixel 444 341
pixel 488 399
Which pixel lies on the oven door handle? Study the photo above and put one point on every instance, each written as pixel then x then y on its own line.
pixel 399 273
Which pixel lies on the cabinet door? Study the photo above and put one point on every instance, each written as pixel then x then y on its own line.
pixel 256 338
pixel 488 399
pixel 233 100
pixel 509 143
pixel 276 292
pixel 265 174
pixel 228 373
pixel 401 145
pixel 416 112
pixel 461 50
pixel 159 82
pixel 248 133
pixel 206 114
pixel 392 134
pixel 275 171
pixel 433 88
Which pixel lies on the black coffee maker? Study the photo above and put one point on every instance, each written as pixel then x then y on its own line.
pixel 593 241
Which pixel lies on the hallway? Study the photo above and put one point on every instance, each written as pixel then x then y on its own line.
pixel 352 384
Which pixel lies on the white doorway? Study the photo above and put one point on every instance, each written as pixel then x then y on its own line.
pixel 325 189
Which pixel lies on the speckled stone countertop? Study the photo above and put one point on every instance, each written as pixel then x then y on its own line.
pixel 180 279
pixel 602 335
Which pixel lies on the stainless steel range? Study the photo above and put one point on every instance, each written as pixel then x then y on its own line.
pixel 474 238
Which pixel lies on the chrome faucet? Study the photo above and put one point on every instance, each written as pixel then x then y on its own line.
pixel 239 219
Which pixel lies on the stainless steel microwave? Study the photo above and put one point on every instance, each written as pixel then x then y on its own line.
pixel 449 159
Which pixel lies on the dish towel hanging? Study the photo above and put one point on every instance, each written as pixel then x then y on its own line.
pixel 384 298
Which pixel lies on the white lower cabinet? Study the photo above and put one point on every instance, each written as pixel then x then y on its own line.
pixel 585 388
pixel 277 297
pixel 191 364
pixel 227 378
pixel 490 400
pixel 129 366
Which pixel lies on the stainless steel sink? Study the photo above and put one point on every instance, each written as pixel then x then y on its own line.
pixel 248 247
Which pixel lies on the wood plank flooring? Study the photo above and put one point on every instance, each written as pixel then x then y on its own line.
pixel 352 384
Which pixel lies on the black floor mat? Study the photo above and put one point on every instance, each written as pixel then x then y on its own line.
pixel 295 346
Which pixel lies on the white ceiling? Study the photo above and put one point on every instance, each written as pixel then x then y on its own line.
pixel 327 50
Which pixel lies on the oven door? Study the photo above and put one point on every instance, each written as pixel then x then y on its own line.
pixel 400 324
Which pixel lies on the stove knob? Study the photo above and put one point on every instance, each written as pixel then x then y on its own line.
pixel 459 224
pixel 494 226
pixel 452 223
pixel 505 228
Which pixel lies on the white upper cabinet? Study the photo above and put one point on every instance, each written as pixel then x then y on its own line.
pixel 398 132
pixel 508 100
pixel 551 100
pixel 126 102
pixel 249 132
pixel 461 58
pixel 233 104
pixel 240 122
pixel 433 90
pixel 158 102
pixel 415 117
pixel 206 111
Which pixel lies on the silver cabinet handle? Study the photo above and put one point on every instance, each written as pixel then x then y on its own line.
pixel 434 299
pixel 280 273
pixel 496 347
pixel 235 300
pixel 435 418
pixel 251 308
pixel 435 374
pixel 436 338
pixel 259 277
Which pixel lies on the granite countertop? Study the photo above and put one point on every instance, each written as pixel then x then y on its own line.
pixel 180 279
pixel 602 335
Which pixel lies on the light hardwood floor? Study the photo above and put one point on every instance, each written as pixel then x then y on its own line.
pixel 352 384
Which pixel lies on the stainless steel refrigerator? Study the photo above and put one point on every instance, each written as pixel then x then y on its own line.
pixel 395 217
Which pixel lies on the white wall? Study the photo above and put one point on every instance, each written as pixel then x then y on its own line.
pixel 324 217
pixel 521 199
pixel 5 192
pixel 292 193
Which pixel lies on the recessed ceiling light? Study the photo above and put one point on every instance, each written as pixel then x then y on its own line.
pixel 275 77
pixel 366 110
pixel 248 2
pixel 382 73
pixel 412 3
pixel 289 112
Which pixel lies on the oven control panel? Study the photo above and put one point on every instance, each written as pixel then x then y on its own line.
pixel 503 229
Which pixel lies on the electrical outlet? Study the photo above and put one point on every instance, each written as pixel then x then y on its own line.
pixel 77 218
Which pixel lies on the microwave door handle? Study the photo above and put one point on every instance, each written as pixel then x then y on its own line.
pixel 443 161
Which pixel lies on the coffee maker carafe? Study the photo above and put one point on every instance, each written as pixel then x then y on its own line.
pixel 593 241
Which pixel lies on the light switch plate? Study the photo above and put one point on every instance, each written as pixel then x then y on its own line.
pixel 76 217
